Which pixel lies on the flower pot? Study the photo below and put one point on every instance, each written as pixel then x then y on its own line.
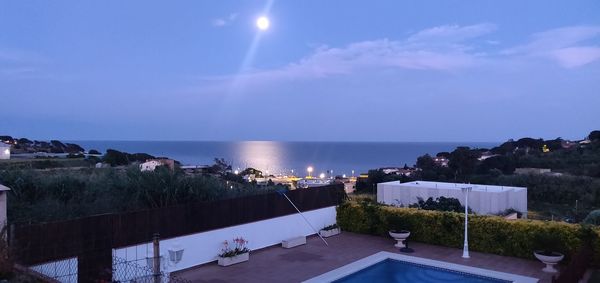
pixel 227 261
pixel 399 236
pixel 549 260
pixel 329 233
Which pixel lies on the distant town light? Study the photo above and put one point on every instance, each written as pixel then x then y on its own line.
pixel 322 175
pixel 236 172
pixel 344 176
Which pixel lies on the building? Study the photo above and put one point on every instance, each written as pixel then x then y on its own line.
pixel 151 164
pixel 483 199
pixel 4 151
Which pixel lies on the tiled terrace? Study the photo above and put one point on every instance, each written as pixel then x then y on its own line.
pixel 276 264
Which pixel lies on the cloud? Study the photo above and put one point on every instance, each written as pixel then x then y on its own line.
pixel 225 21
pixel 452 33
pixel 442 49
pixel 563 45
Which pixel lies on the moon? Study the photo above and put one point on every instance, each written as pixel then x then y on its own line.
pixel 262 23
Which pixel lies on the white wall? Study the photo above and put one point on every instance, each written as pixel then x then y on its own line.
pixel 4 152
pixel 203 247
pixel 481 202
pixel 3 208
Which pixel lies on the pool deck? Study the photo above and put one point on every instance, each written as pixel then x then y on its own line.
pixel 276 264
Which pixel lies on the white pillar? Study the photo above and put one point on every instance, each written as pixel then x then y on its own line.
pixel 466 245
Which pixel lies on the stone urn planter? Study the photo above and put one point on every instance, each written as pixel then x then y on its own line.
pixel 550 259
pixel 399 236
pixel 227 261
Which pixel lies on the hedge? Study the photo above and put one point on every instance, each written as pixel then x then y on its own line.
pixel 488 234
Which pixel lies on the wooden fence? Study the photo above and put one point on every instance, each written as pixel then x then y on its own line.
pixel 91 239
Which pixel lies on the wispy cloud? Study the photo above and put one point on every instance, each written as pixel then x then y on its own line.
pixel 447 48
pixel 225 21
pixel 452 33
pixel 566 45
pixel 441 49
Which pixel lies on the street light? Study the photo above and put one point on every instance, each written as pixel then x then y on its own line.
pixel 322 176
pixel 309 170
pixel 466 190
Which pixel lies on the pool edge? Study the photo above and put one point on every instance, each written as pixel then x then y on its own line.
pixel 381 256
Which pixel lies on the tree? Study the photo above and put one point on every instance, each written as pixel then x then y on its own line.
pixel 115 157
pixel 506 164
pixel 251 171
pixel 93 151
pixel 439 204
pixel 594 136
pixel 425 162
pixel 220 167
pixel 463 161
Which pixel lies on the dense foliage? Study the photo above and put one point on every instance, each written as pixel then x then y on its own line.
pixel 572 191
pixel 38 196
pixel 116 158
pixel 490 234
pixel 439 204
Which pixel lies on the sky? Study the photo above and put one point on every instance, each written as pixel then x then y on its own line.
pixel 323 71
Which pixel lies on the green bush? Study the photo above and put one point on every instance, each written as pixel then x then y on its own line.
pixel 489 234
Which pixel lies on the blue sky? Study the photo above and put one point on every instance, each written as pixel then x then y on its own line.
pixel 325 70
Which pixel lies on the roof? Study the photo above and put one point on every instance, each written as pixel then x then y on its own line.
pixel 454 186
pixel 4 188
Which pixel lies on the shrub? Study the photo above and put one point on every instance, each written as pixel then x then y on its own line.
pixel 489 234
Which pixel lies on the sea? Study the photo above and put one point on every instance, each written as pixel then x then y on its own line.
pixel 277 157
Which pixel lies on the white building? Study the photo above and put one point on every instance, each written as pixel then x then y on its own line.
pixel 150 165
pixel 483 199
pixel 4 151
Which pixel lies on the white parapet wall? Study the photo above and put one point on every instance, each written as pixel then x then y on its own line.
pixel 204 247
pixel 483 199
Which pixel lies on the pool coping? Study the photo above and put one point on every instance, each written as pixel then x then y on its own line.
pixel 362 263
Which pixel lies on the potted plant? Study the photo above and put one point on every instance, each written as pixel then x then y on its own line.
pixel 547 250
pixel 398 230
pixel 231 255
pixel 399 235
pixel 329 231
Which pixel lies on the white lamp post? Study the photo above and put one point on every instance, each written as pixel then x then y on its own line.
pixel 466 190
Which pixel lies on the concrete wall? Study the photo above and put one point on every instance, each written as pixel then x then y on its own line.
pixel 4 152
pixel 203 247
pixel 3 208
pixel 481 202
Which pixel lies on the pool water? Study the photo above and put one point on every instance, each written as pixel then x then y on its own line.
pixel 391 270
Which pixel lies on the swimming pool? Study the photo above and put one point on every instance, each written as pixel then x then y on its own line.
pixel 391 267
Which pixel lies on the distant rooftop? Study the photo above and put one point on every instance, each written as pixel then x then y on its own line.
pixel 455 186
